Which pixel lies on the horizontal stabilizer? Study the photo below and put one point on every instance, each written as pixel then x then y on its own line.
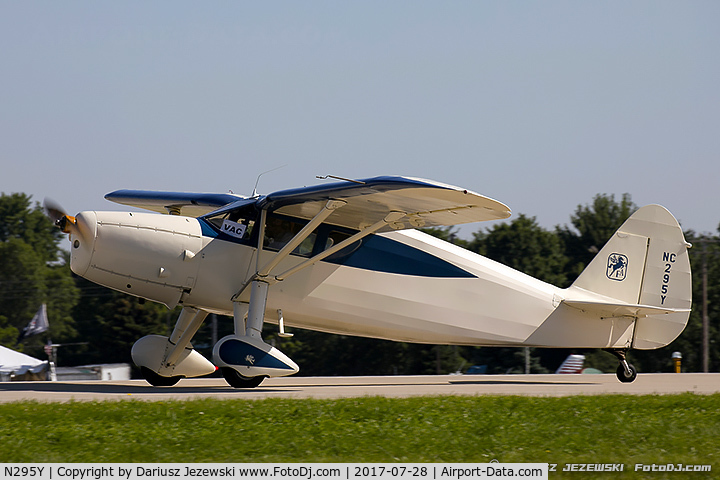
pixel 611 310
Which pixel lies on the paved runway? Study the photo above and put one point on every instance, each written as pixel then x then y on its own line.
pixel 344 387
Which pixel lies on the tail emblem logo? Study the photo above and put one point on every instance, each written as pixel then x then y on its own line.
pixel 617 267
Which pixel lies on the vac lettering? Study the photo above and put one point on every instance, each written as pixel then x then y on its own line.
pixel 669 259
pixel 234 229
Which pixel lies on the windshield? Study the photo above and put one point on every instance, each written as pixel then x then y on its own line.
pixel 238 222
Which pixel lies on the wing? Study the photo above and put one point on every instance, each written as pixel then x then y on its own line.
pixel 424 203
pixel 180 203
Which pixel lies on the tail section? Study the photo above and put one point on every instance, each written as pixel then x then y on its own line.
pixel 643 272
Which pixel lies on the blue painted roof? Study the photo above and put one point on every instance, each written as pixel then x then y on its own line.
pixel 347 189
pixel 424 203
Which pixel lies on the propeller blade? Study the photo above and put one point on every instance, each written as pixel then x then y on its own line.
pixel 58 215
pixel 53 210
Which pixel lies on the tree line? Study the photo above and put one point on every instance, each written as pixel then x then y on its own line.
pixel 98 325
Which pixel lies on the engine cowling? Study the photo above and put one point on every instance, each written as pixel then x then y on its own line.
pixel 146 255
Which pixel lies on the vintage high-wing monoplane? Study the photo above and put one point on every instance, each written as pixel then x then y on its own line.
pixel 345 257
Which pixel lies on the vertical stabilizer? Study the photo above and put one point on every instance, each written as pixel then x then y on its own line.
pixel 644 264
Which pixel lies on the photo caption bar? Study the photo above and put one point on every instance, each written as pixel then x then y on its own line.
pixel 278 471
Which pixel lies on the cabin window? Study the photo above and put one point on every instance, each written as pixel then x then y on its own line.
pixel 334 237
pixel 280 230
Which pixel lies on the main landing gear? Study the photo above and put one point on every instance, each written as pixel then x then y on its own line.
pixel 626 372
pixel 245 360
pixel 163 361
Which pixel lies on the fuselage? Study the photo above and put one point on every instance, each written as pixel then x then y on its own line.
pixel 404 285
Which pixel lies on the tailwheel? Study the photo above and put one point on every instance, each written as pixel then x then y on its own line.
pixel 626 376
pixel 235 380
pixel 626 372
pixel 157 380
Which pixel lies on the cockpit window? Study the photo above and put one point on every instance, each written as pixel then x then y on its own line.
pixel 238 223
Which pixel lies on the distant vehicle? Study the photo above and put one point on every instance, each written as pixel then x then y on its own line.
pixel 345 258
pixel 572 364
pixel 575 364
pixel 477 370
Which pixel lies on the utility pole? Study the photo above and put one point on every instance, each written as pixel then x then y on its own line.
pixel 438 362
pixel 705 318
pixel 527 360
pixel 704 240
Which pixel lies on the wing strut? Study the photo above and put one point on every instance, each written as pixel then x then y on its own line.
pixel 263 275
pixel 327 210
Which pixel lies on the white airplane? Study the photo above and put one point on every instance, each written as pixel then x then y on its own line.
pixel 345 258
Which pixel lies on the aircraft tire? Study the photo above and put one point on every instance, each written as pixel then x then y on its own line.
pixel 235 380
pixel 158 380
pixel 622 375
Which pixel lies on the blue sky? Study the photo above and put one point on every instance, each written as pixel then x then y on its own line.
pixel 541 105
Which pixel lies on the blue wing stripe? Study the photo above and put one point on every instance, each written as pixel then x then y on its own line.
pixel 161 199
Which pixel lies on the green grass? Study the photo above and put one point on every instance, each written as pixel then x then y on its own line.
pixel 584 429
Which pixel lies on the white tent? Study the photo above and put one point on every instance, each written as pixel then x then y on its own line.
pixel 18 366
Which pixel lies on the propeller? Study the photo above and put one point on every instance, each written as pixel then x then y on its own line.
pixel 58 215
